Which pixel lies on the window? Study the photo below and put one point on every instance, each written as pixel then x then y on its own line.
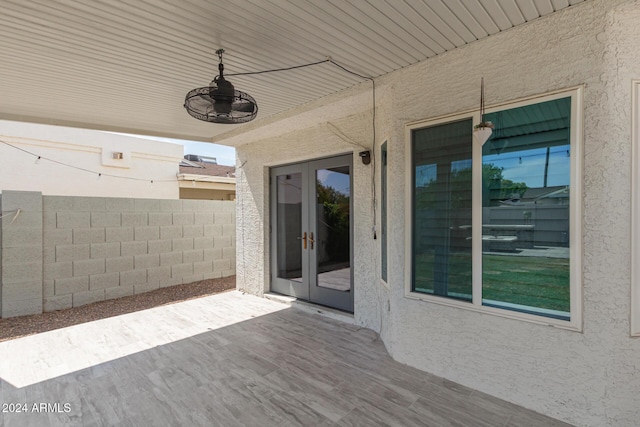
pixel 383 209
pixel 442 210
pixel 635 222
pixel 497 228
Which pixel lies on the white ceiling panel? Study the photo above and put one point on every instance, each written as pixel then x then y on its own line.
pixel 127 65
pixel 544 7
pixel 528 9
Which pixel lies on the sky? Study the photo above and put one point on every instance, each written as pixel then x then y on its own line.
pixel 338 180
pixel 528 166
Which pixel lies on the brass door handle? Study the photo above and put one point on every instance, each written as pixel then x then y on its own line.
pixel 311 240
pixel 304 240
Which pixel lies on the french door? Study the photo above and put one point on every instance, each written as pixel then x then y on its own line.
pixel 311 231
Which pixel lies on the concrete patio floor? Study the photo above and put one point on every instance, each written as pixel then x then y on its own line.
pixel 229 360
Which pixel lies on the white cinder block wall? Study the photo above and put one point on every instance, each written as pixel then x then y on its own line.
pixel 62 251
pixel 587 378
pixel 102 248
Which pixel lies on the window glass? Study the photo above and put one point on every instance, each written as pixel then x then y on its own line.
pixel 333 250
pixel 289 218
pixel 525 209
pixel 442 208
pixel 524 214
pixel 383 215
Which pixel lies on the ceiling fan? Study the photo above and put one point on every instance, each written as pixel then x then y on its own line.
pixel 220 102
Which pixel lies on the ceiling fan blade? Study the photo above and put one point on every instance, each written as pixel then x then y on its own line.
pixel 244 107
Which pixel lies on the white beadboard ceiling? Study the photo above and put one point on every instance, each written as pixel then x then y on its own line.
pixel 126 65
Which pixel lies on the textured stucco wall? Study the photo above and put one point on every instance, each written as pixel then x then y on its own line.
pixel 578 377
pixel 587 378
pixel 325 140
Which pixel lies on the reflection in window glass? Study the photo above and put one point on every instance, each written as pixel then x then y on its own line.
pixel 442 210
pixel 525 210
pixel 332 242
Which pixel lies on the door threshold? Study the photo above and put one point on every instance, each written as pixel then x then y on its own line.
pixel 312 308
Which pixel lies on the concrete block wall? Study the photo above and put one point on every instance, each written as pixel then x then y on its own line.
pixel 80 250
pixel 21 249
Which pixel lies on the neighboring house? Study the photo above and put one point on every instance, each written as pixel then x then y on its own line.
pixel 57 160
pixel 558 195
pixel 206 180
pixel 416 270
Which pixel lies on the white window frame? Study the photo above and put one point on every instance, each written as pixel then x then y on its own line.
pixel 575 214
pixel 635 209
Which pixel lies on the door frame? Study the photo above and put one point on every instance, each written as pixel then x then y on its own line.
pixel 309 290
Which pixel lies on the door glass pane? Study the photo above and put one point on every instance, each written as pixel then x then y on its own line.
pixel 289 220
pixel 442 210
pixel 332 241
pixel 525 210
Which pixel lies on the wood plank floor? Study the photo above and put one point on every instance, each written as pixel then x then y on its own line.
pixel 230 360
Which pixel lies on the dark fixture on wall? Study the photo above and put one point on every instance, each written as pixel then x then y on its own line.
pixel 365 156
pixel 220 102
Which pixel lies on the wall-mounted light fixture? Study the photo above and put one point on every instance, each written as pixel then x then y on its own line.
pixel 365 156
pixel 117 155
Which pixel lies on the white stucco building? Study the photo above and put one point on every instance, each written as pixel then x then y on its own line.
pixel 85 162
pixel 558 89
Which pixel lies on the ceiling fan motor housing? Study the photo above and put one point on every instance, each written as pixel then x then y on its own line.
pixel 222 92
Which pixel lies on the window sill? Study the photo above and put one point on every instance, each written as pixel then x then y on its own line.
pixel 493 311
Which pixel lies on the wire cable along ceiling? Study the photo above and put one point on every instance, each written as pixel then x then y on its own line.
pixel 220 102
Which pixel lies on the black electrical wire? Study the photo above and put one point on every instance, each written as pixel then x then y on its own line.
pixel 250 73
pixel 373 146
pixel 99 174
